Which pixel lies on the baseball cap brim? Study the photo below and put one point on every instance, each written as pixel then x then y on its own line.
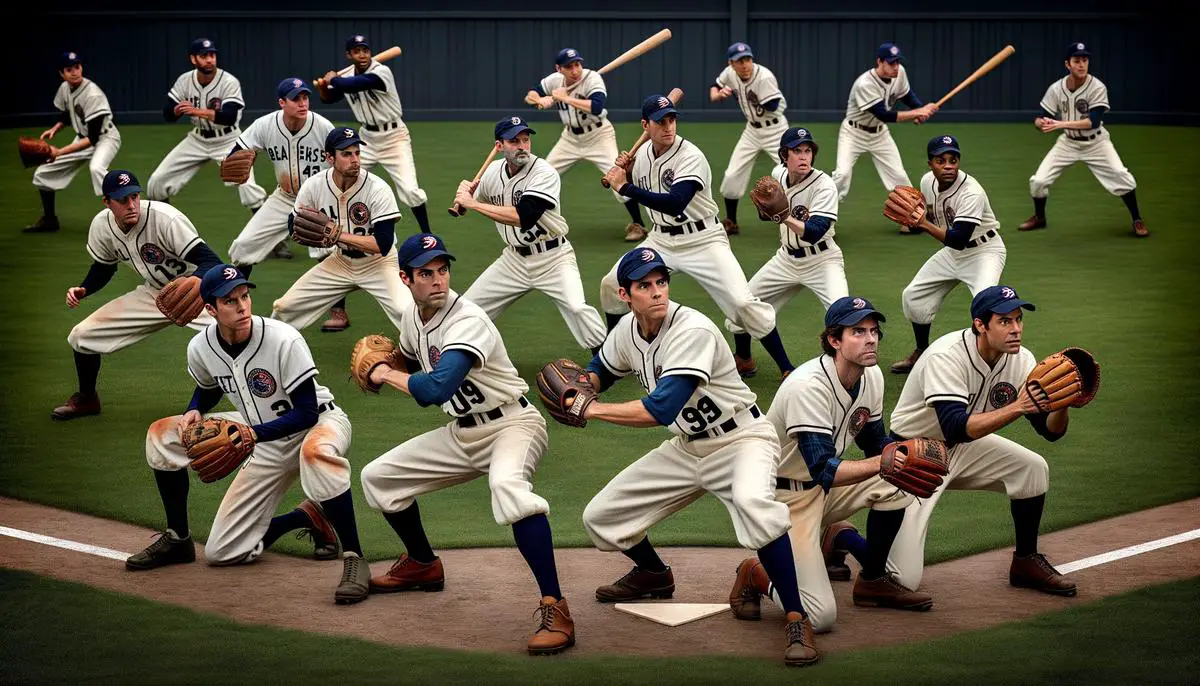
pixel 347 142
pixel 512 132
pixel 945 148
pixel 855 316
pixel 657 116
pixel 739 55
pixel 291 95
pixel 1010 305
pixel 642 270
pixel 427 257
pixel 227 287
pixel 124 192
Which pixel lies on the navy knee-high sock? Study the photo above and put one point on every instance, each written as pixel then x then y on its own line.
pixel 774 346
pixel 645 557
pixel 921 331
pixel 173 488
pixel 281 524
pixel 635 212
pixel 741 345
pixel 1130 199
pixel 731 209
pixel 340 513
pixel 407 524
pixel 47 204
pixel 777 559
pixel 852 542
pixel 1027 516
pixel 882 527
pixel 532 535
pixel 87 368
pixel 422 217
pixel 1039 207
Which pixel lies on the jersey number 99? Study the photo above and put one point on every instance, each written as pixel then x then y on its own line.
pixel 702 415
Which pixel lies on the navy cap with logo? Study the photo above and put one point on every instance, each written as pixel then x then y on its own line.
pixel 120 183
pixel 290 87
pixel 420 249
pixel 942 144
pixel 510 127
pixel 340 139
pixel 889 52
pixel 567 56
pixel 201 46
pixel 656 107
pixel 737 51
pixel 68 59
pixel 849 310
pixel 639 262
pixel 1077 50
pixel 219 281
pixel 998 299
pixel 793 137
pixel 355 41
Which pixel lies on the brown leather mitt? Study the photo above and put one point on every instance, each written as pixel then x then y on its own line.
pixel 180 300
pixel 1068 378
pixel 926 461
pixel 771 201
pixel 370 352
pixel 566 390
pixel 217 447
pixel 236 168
pixel 905 205
pixel 313 228
pixel 33 151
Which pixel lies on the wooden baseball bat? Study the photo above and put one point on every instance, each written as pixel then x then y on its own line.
pixel 629 55
pixel 674 96
pixel 457 210
pixel 987 67
pixel 384 56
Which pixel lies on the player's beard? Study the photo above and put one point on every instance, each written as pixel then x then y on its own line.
pixel 517 159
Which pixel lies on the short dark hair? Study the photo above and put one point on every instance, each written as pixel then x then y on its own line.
pixel 986 319
pixel 836 331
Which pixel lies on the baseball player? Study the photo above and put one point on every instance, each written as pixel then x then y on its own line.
pixel 520 193
pixel 1076 105
pixel 83 107
pixel 722 444
pixel 963 390
pixel 212 98
pixel 370 88
pixel 807 257
pixel 959 216
pixel 266 370
pixel 671 177
pixel 461 363
pixel 159 243
pixel 579 96
pixel 870 108
pixel 757 93
pixel 365 212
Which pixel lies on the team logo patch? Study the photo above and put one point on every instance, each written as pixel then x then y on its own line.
pixel 73 56
pixel 859 303
pixel 570 53
pixel 668 177
pixel 946 140
pixel 214 104
pixel 517 197
pixel 803 133
pixel 663 103
pixel 1081 106
pixel 434 355
pixel 152 254
pixel 894 50
pixel 657 371
pixel 207 44
pixel 359 214
pixel 949 216
pixel 428 242
pixel 261 383
pixel 1008 292
pixel 1078 46
pixel 229 273
pixel 348 133
pixel 1002 394
pixel 858 420
pixel 647 255
pixel 800 213
pixel 516 121
pixel 123 179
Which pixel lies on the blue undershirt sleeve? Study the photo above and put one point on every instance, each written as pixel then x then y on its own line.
pixel 669 397
pixel 436 387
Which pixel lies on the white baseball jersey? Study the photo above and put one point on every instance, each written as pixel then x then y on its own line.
pixel 683 161
pixel 536 178
pixel 762 87
pixel 588 85
pixel 372 106
pixel 813 399
pixel 964 200
pixel 952 370
pixel 295 156
pixel 688 344
pixel 1068 105
pixel 83 104
pixel 869 89
pixel 259 380
pixel 223 88
pixel 460 325
pixel 154 247
pixel 356 209
pixel 813 196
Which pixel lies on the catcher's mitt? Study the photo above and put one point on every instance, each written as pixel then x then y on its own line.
pixel 566 390
pixel 370 352
pixel 33 151
pixel 236 168
pixel 313 228
pixel 1068 378
pixel 216 447
pixel 905 205
pixel 926 461
pixel 771 201
pixel 180 300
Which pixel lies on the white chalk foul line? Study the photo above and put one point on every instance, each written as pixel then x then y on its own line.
pixel 64 543
pixel 1130 551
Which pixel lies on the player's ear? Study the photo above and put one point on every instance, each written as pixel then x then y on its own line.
pixel 623 294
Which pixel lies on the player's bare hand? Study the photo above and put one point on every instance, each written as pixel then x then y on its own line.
pixel 617 177
pixel 48 134
pixel 464 196
pixel 559 93
pixel 181 107
pixel 74 295
pixel 54 153
pixel 190 417
pixel 724 92
pixel 545 102
pixel 1048 124
pixel 329 76
pixel 1027 402
pixel 379 373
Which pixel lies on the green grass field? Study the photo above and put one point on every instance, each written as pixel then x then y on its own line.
pixel 1095 286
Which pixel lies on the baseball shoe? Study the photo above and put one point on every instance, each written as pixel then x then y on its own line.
pixel 746 368
pixel 556 629
pixel 905 366
pixel 338 321
pixel 635 232
pixel 1037 573
pixel 748 588
pixel 282 251
pixel 1139 229
pixel 78 405
pixel 42 225
pixel 731 227
pixel 325 540
pixel 835 560
pixel 887 592
pixel 407 574
pixel 1033 223
pixel 169 549
pixel 638 584
pixel 356 580
pixel 801 650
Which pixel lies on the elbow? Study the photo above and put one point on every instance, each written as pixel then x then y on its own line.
pixel 308 418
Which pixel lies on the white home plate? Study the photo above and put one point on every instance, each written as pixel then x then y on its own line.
pixel 672 614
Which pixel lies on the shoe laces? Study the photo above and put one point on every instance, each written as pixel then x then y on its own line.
pixel 546 620
pixel 163 542
pixel 795 632
pixel 350 570
pixel 1045 565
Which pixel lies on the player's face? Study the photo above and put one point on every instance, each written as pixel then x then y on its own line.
pixel 1003 332
pixel 662 132
pixel 360 56
pixel 346 161
pixel 72 74
pixel 206 63
pixel 126 210
pixel 860 343
pixel 517 150
pixel 743 67
pixel 945 167
pixel 572 72
pixel 430 284
pixel 1078 66
pixel 233 312
pixel 296 108
pixel 649 297
pixel 800 158
pixel 885 70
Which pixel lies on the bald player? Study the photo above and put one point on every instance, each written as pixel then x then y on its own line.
pixel 968 386
pixel 1076 105
pixel 456 359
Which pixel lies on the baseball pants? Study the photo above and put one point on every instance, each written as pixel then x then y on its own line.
pixel 752 142
pixel 1098 154
pixel 57 175
pixel 260 484
pixel 783 276
pixel 598 146
pixel 392 150
pixel 263 232
pixel 335 276
pixel 880 146
pixel 978 268
pixel 123 321
pixel 182 163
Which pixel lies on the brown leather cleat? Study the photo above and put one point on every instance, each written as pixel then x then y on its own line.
pixel 731 227
pixel 409 575
pixel 78 405
pixel 750 585
pixel 887 592
pixel 1037 573
pixel 338 321
pixel 638 584
pixel 1139 229
pixel 325 540
pixel 556 629
pixel 746 368
pixel 635 232
pixel 835 560
pixel 801 650
pixel 42 225
pixel 1033 223
pixel 905 366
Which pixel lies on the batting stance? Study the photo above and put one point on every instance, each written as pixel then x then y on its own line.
pixel 460 363
pixel 520 193
pixel 963 390
pixel 1076 105
pixel 212 98
pixel 757 92
pixel 369 86
pixel 159 243
pixel 579 96
pixel 83 107
pixel 266 370
pixel 671 177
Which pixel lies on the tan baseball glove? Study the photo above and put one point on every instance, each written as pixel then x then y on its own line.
pixel 926 461
pixel 566 390
pixel 370 352
pixel 216 447
pixel 771 201
pixel 180 300
pixel 905 205
pixel 313 228
pixel 33 151
pixel 1068 378
pixel 236 168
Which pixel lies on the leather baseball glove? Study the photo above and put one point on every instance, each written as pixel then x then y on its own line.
pixel 905 205
pixel 236 168
pixel 926 461
pixel 216 447
pixel 1068 378
pixel 180 300
pixel 771 201
pixel 33 151
pixel 313 228
pixel 566 391
pixel 370 352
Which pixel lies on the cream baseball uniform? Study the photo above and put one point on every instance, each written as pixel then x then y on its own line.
pixel 494 430
pixel 979 265
pixel 206 141
pixel 356 209
pixel 154 248
pixel 258 383
pixel 82 104
pixel 951 369
pixel 296 157
pixel 693 242
pixel 863 132
pixel 586 136
pixel 763 126
pixel 538 258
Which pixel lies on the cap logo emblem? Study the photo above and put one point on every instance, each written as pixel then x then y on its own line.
pixel 1008 292
pixel 647 255
pixel 428 242
pixel 348 133
pixel 859 303
pixel 570 53
pixel 123 179
pixel 1079 46
pixel 803 133
pixel 516 121
pixel 663 102
pixel 71 56
pixel 207 44
pixel 229 273
pixel 947 140
pixel 893 50
pixel 296 83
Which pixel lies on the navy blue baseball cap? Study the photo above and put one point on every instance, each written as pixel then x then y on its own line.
pixel 510 127
pixel 68 59
pixel 793 137
pixel 340 139
pixel 357 40
pixel 567 56
pixel 420 249
pixel 737 51
pixel 1077 49
pixel 219 281
pixel 889 52
pixel 656 107
pixel 942 144
pixel 998 299
pixel 849 310
pixel 639 262
pixel 120 183
pixel 201 46
pixel 290 87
